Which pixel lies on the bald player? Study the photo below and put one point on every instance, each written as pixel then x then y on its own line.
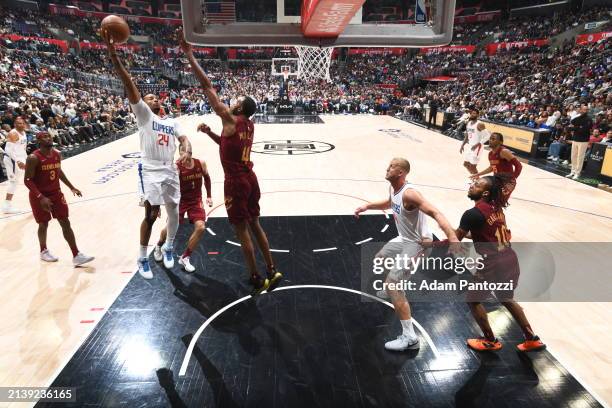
pixel 158 178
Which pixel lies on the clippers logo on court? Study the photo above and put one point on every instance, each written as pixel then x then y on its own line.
pixel 291 147
pixel 399 133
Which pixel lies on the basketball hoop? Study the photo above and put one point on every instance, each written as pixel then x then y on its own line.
pixel 314 62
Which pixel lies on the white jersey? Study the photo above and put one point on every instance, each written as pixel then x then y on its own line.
pixel 157 135
pixel 17 150
pixel 475 136
pixel 411 225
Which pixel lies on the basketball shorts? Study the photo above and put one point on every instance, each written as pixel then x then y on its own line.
pixel 13 172
pixel 242 197
pixel 501 268
pixel 407 249
pixel 158 183
pixel 472 156
pixel 59 209
pixel 194 210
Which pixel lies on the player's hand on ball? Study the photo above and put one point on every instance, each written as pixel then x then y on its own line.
pixel 209 201
pixel 204 128
pixel 480 127
pixel 46 204
pixel 185 46
pixel 76 192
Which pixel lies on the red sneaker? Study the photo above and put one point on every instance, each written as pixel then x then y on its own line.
pixel 483 344
pixel 534 344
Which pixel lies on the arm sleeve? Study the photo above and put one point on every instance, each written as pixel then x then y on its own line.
pixel 207 185
pixel 142 112
pixel 178 130
pixel 472 219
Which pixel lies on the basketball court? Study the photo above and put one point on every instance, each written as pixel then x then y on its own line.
pixel 187 340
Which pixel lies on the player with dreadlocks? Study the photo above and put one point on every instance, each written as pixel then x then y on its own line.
pixel 487 225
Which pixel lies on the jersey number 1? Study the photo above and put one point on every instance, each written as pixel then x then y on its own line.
pixel 162 139
pixel 503 237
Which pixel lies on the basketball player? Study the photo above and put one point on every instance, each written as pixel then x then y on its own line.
pixel 191 174
pixel 14 161
pixel 503 162
pixel 475 136
pixel 43 172
pixel 410 209
pixel 158 176
pixel 241 188
pixel 487 225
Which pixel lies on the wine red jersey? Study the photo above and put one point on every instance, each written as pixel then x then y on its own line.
pixel 47 174
pixel 499 164
pixel 235 149
pixel 487 224
pixel 191 181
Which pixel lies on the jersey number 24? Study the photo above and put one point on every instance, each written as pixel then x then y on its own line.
pixel 163 139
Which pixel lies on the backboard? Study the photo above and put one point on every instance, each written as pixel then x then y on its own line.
pixel 399 23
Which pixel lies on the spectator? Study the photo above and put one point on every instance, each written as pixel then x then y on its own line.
pixel 581 126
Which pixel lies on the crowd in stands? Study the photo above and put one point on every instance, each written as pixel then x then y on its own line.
pixel 531 86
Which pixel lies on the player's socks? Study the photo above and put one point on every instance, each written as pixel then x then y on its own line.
pixel 408 328
pixel 142 252
pixel 259 284
pixel 274 277
pixel 43 248
pixel 187 253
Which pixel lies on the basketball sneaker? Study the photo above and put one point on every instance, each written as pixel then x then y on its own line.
pixel 168 256
pixel 274 277
pixel 157 254
pixel 185 262
pixel 48 256
pixel 81 259
pixel 259 284
pixel 402 343
pixel 7 208
pixel 483 344
pixel 534 344
pixel 144 269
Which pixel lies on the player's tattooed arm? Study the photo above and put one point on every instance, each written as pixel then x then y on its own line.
pixel 132 92
pixel 184 148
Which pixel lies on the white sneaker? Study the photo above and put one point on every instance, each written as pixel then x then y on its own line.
pixel 576 176
pixel 555 159
pixel 48 256
pixel 157 254
pixel 565 161
pixel 382 294
pixel 549 158
pixel 570 175
pixel 402 343
pixel 81 259
pixel 168 257
pixel 186 263
pixel 8 208
pixel 144 269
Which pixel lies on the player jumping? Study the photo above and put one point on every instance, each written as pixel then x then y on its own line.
pixel 241 188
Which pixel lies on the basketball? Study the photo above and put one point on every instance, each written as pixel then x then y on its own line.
pixel 117 27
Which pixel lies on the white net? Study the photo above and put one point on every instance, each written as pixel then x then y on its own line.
pixel 314 62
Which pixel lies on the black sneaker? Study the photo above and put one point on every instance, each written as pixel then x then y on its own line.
pixel 274 277
pixel 259 284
